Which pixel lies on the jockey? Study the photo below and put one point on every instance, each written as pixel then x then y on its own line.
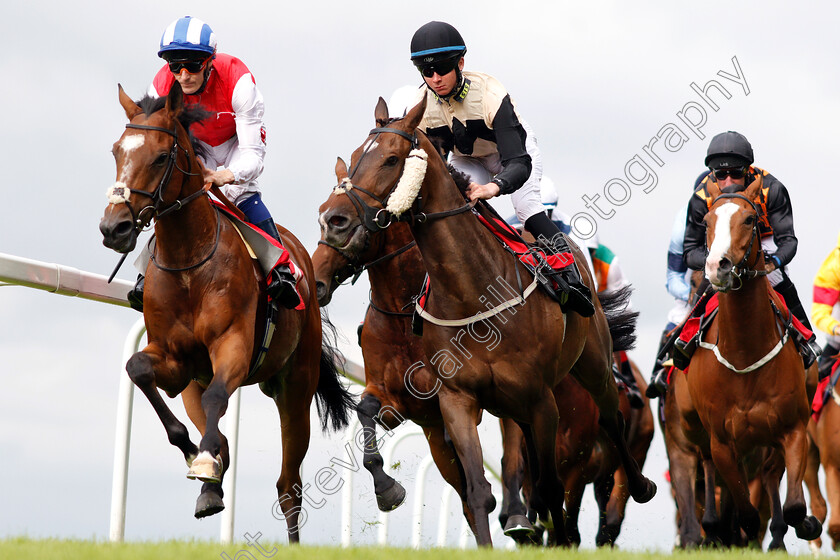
pixel 233 137
pixel 826 308
pixel 475 120
pixel 730 158
pixel 678 284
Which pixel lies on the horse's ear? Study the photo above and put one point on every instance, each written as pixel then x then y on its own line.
pixel 340 169
pixel 415 115
pixel 713 188
pixel 751 191
pixel 381 113
pixel 175 100
pixel 131 108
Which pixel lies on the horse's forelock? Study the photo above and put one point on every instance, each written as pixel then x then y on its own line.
pixel 192 114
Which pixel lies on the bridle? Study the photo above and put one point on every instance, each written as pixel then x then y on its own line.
pixel 744 271
pixel 376 219
pixel 143 218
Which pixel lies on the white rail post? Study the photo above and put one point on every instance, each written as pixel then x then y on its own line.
pixel 229 484
pixel 122 445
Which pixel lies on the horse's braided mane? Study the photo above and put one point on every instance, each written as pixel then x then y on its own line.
pixel 190 115
pixel 462 180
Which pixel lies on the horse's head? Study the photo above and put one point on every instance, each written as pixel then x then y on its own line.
pixel 146 154
pixel 732 237
pixel 382 183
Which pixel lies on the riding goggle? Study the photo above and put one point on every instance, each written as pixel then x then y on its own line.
pixel 442 68
pixel 191 66
pixel 736 173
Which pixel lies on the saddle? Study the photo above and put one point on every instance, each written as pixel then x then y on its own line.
pixel 825 390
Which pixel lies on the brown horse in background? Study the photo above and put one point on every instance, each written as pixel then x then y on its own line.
pixel 746 382
pixel 202 304
pixel 399 385
pixel 496 368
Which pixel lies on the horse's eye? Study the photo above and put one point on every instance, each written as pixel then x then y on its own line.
pixel 160 160
pixel 750 220
pixel 392 161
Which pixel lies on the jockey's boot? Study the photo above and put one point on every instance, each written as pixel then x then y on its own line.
pixel 281 282
pixel 827 359
pixel 135 295
pixel 658 385
pixel 624 374
pixel 575 295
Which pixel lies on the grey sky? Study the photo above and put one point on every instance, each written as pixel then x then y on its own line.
pixel 596 82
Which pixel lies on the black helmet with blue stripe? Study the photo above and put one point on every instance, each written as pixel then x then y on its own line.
pixel 187 37
pixel 437 44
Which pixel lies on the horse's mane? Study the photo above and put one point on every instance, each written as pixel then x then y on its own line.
pixel 190 115
pixel 462 180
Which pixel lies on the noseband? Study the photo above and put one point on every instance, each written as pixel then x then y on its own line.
pixel 143 218
pixel 744 271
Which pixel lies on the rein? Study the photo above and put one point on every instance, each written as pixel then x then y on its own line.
pixel 744 271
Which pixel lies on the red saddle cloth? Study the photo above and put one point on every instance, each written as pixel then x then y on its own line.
pixel 505 233
pixel 269 257
pixel 697 318
pixel 823 394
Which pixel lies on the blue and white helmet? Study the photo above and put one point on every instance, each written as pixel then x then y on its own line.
pixel 188 34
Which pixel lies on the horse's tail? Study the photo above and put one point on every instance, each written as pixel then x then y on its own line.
pixel 621 319
pixel 333 400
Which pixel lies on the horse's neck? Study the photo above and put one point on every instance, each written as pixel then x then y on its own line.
pixel 459 254
pixel 395 281
pixel 187 234
pixel 746 316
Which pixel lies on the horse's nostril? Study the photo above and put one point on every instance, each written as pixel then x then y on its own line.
pixel 725 265
pixel 123 228
pixel 337 221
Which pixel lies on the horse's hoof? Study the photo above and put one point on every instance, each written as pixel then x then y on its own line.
pixel 392 498
pixel 205 468
pixel 519 529
pixel 777 546
pixel 208 503
pixel 809 529
pixel 646 495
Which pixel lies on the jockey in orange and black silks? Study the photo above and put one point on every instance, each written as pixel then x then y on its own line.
pixel 730 159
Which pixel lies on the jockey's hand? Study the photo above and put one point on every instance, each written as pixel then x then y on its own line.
pixel 219 178
pixel 484 192
pixel 769 267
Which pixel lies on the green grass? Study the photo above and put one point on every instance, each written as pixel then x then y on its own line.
pixel 24 549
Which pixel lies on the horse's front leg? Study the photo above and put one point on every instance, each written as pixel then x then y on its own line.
pixel 390 494
pixel 149 369
pixel 460 415
pixel 229 357
pixel 795 445
pixel 735 477
pixel 514 516
pixel 210 500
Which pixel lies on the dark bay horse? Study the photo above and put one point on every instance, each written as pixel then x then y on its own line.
pixel 747 381
pixel 399 385
pixel 395 390
pixel 481 364
pixel 202 303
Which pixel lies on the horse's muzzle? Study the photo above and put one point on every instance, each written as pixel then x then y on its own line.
pixel 720 274
pixel 119 235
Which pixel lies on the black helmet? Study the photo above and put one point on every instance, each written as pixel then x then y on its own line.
pixel 729 149
pixel 435 43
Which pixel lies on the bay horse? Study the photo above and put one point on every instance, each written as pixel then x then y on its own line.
pixel 497 367
pixel 747 381
pixel 400 386
pixel 203 299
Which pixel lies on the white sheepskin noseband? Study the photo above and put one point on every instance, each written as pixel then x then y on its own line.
pixel 409 186
pixel 118 193
pixel 344 186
